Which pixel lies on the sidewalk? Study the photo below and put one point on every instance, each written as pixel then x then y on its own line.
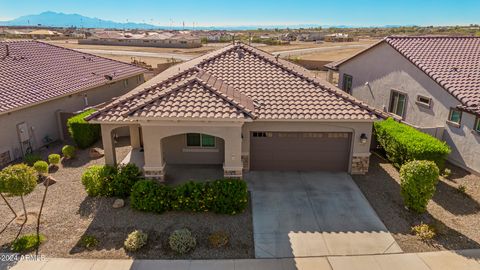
pixel 441 260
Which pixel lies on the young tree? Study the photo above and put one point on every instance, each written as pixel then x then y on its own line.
pixel 18 180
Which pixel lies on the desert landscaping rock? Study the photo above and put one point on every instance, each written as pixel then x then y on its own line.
pixel 50 180
pixel 118 203
pixel 95 153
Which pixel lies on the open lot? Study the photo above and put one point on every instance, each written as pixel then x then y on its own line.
pixel 69 214
pixel 454 215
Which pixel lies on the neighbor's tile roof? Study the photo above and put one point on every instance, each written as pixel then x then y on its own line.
pixel 34 72
pixel 254 82
pixel 453 62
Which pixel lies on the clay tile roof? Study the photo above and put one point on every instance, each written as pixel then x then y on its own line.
pixel 452 62
pixel 32 72
pixel 242 78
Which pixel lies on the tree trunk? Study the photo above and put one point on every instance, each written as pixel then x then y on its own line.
pixel 8 204
pixel 47 180
pixel 26 217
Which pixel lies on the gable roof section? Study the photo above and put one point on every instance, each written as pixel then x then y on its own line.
pixel 452 62
pixel 261 85
pixel 32 72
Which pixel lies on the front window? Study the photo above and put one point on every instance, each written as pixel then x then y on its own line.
pixel 200 140
pixel 397 103
pixel 347 83
pixel 477 124
pixel 455 116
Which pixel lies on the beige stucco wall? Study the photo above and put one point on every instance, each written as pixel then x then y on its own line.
pixel 176 151
pixel 385 69
pixel 42 118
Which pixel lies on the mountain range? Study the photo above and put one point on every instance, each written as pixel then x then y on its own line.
pixel 57 19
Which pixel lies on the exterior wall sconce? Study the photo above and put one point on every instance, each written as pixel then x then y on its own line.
pixel 363 138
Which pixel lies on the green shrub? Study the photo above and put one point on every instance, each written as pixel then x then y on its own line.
pixel 124 180
pixel 135 240
pixel 403 143
pixel 462 189
pixel 424 231
pixel 30 159
pixel 89 242
pixel 182 241
pixel 189 197
pixel 97 180
pixel 27 243
pixel 68 151
pixel 225 196
pixel 41 167
pixel 150 196
pixel 83 133
pixel 54 159
pixel 18 179
pixel 418 179
pixel 218 239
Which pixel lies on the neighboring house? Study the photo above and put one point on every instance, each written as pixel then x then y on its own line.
pixel 243 108
pixel 162 40
pixel 39 82
pixel 431 83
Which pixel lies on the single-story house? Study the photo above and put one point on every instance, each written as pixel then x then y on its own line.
pixel 41 84
pixel 245 109
pixel 431 83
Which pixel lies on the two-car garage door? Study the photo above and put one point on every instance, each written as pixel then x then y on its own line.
pixel 300 151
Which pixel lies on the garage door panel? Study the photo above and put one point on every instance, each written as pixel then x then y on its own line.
pixel 300 151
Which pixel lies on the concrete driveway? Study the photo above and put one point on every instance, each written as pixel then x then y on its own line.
pixel 304 214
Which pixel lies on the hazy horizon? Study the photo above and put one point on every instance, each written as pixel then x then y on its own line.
pixel 263 13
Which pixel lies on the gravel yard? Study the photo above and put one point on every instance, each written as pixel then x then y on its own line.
pixel 454 215
pixel 69 214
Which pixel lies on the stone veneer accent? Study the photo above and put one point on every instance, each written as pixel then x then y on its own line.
pixel 158 174
pixel 245 162
pixel 232 173
pixel 360 164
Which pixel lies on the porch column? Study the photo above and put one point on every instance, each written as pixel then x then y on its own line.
pixel 154 164
pixel 134 136
pixel 330 76
pixel 233 166
pixel 108 145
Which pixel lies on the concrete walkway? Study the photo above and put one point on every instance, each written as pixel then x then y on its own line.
pixel 442 260
pixel 310 214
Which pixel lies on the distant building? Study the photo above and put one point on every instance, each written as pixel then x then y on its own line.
pixel 338 37
pixel 147 39
pixel 42 85
pixel 312 36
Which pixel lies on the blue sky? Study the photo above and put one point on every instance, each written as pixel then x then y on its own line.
pixel 267 12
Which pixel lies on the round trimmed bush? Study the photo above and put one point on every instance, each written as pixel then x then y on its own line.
pixel 97 180
pixel 182 241
pixel 54 159
pixel 41 167
pixel 68 151
pixel 124 180
pixel 418 179
pixel 135 240
pixel 18 180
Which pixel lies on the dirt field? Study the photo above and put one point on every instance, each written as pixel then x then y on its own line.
pixel 453 214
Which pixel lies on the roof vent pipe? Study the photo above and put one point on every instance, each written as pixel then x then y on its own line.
pixel 7 50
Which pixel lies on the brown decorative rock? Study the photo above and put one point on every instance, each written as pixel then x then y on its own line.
pixel 118 203
pixel 50 180
pixel 95 153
